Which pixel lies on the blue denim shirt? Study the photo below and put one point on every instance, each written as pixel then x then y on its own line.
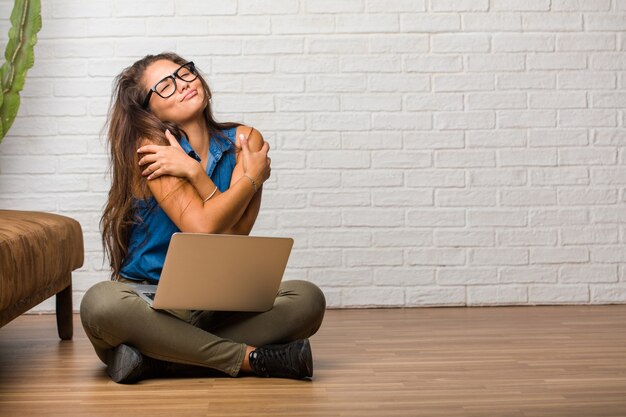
pixel 150 238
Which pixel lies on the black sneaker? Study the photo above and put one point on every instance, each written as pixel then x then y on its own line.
pixel 291 360
pixel 125 364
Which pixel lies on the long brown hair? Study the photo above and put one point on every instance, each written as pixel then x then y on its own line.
pixel 127 124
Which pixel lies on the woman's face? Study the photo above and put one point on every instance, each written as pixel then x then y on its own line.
pixel 187 101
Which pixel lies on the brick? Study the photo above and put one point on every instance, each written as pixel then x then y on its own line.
pixel 497 177
pixel 315 258
pixel 496 100
pixel 557 137
pixel 558 255
pixel 374 217
pixel 395 5
pixel 556 61
pixel 401 121
pixel 433 63
pixel 528 197
pixel 497 295
pixel 498 256
pixel 370 63
pixel 402 83
pixel 463 82
pixel 464 159
pixel 444 257
pixel 552 22
pixel 523 43
pixel 338 45
pixel 441 102
pixel 434 296
pixel 527 238
pixel 492 21
pixel 291 25
pixel 557 100
pixel 371 178
pixel 581 5
pixel 559 176
pixel 405 238
pixel 587 156
pixel 402 198
pixel 589 235
pixel 401 159
pixel 371 140
pixel 558 217
pixel 435 218
pixel 337 277
pixel 338 159
pixel 338 121
pixel 433 140
pixel 526 118
pixel 435 178
pixel 527 157
pixel 395 43
pixel 523 81
pixel 586 196
pixel 430 23
pixel 608 293
pixel 336 83
pixel 588 273
pixel 307 65
pixel 363 297
pixel 406 277
pixel 606 21
pixel 466 276
pixel 495 62
pixel 443 43
pixel 306 103
pixel 328 6
pixel 378 23
pixel 459 5
pixel 465 120
pixel 513 5
pixel 465 198
pixel 339 199
pixel 464 238
pixel 372 257
pixel 586 80
pixel 512 218
pixel 566 294
pixel 500 138
pixel 529 274
pixel 608 176
pixel 371 102
pixel 585 42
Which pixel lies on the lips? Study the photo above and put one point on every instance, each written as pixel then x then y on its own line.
pixel 190 94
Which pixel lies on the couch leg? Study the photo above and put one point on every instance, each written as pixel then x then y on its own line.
pixel 64 313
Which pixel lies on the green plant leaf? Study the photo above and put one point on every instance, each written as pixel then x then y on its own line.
pixel 20 56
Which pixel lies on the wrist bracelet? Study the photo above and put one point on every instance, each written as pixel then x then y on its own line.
pixel 251 180
pixel 209 197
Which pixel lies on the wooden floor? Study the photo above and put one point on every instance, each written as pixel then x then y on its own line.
pixel 504 361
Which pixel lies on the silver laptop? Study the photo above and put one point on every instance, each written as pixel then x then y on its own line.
pixel 219 273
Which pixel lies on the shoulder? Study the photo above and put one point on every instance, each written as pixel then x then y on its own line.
pixel 255 137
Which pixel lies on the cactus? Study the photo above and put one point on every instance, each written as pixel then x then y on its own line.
pixel 20 56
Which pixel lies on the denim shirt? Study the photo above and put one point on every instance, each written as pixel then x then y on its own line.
pixel 150 238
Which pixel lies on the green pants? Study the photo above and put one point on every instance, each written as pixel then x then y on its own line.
pixel 113 314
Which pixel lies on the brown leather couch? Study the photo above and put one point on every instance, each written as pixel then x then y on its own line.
pixel 38 252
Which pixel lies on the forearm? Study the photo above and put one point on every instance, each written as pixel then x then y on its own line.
pixel 225 210
pixel 202 183
pixel 246 222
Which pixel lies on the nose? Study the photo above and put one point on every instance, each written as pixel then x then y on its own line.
pixel 181 85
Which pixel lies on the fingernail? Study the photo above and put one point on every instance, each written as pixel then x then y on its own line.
pixel 139 150
pixel 241 136
pixel 167 131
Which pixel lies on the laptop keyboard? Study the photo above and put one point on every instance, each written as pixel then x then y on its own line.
pixel 150 295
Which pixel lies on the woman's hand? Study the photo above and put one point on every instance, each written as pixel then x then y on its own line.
pixel 255 164
pixel 167 160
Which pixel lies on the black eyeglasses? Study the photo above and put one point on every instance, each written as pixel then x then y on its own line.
pixel 167 86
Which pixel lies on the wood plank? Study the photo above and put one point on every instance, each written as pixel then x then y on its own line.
pixel 495 361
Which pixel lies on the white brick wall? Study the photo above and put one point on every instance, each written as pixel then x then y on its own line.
pixel 425 152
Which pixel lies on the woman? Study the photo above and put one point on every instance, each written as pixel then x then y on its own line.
pixel 174 168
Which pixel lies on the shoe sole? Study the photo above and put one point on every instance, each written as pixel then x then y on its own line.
pixel 124 364
pixel 307 355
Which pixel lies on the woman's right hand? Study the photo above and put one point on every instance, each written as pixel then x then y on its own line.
pixel 256 164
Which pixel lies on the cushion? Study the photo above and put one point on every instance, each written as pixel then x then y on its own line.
pixel 36 250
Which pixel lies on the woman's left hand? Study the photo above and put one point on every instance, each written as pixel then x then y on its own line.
pixel 166 160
